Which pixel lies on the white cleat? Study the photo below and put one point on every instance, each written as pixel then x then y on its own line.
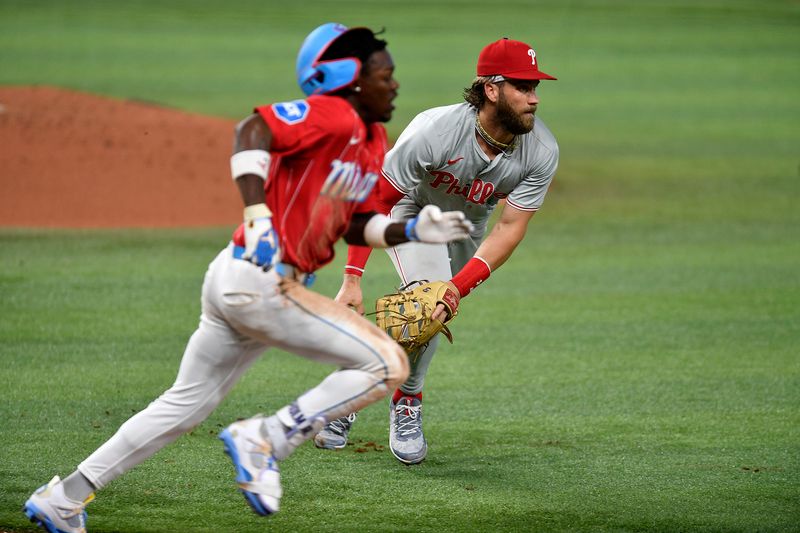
pixel 257 470
pixel 50 509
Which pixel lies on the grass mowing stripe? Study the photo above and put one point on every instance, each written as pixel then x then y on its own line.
pixel 633 367
pixel 606 408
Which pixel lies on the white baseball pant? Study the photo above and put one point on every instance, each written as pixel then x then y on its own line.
pixel 245 311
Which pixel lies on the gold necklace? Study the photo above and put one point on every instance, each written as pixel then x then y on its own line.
pixel 491 141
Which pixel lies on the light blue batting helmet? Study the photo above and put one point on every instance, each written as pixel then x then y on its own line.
pixel 322 77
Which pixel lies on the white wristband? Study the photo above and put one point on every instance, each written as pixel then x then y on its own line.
pixel 250 162
pixel 254 211
pixel 375 231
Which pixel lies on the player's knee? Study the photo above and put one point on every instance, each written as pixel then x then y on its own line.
pixel 174 404
pixel 397 365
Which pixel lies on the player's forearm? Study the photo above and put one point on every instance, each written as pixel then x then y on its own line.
pixel 506 234
pixel 382 232
pixel 431 225
pixel 500 244
pixel 251 189
pixel 359 250
pixel 375 231
pixel 491 254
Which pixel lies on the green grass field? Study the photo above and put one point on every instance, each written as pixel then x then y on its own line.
pixel 634 367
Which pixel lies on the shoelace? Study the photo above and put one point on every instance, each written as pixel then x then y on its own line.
pixel 71 513
pixel 267 482
pixel 408 418
pixel 342 424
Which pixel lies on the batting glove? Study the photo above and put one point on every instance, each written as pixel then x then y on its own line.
pixel 432 225
pixel 261 241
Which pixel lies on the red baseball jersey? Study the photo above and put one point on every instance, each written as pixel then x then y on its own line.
pixel 325 163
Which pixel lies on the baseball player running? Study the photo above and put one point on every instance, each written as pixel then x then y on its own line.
pixel 305 170
pixel 468 157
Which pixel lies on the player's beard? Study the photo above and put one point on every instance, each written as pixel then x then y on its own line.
pixel 513 122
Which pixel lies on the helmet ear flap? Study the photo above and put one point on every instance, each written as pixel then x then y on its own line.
pixel 331 76
pixel 310 80
pixel 321 77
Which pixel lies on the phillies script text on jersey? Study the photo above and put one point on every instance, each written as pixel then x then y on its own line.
pixel 477 192
pixel 346 182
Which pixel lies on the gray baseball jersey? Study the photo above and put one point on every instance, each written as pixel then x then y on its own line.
pixel 437 160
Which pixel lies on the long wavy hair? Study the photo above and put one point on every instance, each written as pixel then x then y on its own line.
pixel 475 94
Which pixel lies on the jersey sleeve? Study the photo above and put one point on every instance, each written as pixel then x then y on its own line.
pixel 529 194
pixel 408 162
pixel 357 257
pixel 378 146
pixel 300 125
pixel 383 198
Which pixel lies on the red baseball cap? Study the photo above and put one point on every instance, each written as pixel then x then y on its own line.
pixel 511 59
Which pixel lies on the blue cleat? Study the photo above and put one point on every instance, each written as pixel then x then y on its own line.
pixel 257 471
pixel 50 509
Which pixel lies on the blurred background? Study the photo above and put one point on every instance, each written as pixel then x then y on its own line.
pixel 634 366
pixel 693 104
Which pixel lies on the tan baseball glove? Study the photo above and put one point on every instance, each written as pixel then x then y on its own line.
pixel 406 314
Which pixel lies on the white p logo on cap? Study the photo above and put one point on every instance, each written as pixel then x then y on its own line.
pixel 506 57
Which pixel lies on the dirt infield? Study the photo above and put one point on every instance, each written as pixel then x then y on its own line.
pixel 70 159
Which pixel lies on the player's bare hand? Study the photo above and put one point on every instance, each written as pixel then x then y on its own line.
pixel 350 293
pixel 436 226
pixel 440 313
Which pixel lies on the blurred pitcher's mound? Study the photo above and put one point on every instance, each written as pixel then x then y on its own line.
pixel 70 159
